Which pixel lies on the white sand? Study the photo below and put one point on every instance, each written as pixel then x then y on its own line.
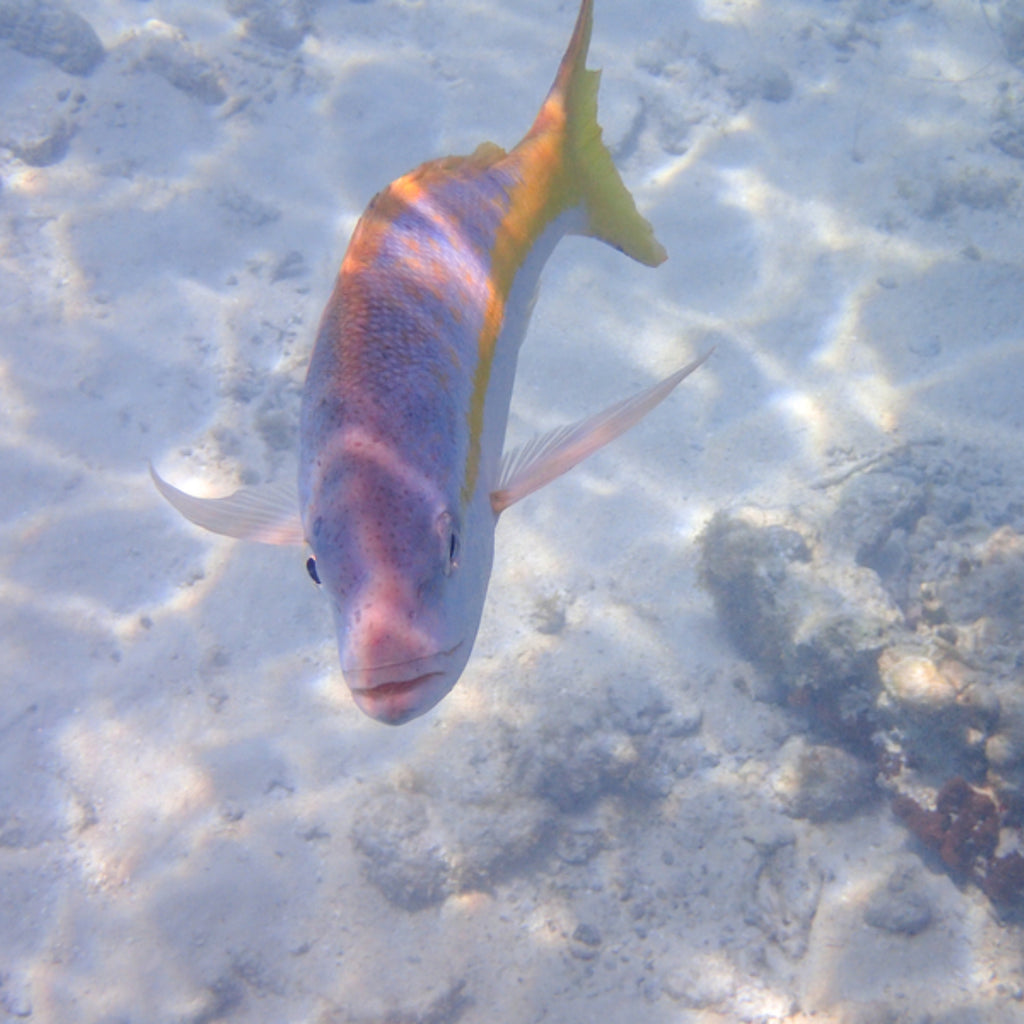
pixel 180 765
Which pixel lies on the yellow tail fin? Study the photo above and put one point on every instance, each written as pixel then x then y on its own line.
pixel 611 211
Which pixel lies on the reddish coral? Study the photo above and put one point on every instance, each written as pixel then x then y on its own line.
pixel 953 795
pixel 929 826
pixel 964 831
pixel 1004 880
pixel 974 826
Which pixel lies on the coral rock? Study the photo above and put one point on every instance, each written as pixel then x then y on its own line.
pixel 915 681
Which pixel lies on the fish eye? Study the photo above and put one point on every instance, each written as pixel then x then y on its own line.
pixel 311 569
pixel 450 542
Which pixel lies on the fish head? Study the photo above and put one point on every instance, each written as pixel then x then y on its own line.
pixel 404 588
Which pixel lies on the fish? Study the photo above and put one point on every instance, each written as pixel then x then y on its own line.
pixel 401 472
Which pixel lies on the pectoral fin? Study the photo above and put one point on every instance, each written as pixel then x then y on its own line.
pixel 268 514
pixel 546 457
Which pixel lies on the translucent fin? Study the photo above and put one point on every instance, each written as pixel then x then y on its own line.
pixel 548 456
pixel 267 514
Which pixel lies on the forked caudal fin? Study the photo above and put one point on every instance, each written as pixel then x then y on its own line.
pixel 571 111
pixel 267 514
pixel 545 458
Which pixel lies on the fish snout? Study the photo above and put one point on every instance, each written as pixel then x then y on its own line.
pixel 380 636
pixel 394 670
pixel 396 702
pixel 398 659
pixel 394 692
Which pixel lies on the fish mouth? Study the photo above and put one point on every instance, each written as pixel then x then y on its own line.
pixel 397 702
pixel 401 688
pixel 363 676
pixel 395 692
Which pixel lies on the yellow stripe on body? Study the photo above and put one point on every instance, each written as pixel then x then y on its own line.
pixel 538 198
pixel 561 163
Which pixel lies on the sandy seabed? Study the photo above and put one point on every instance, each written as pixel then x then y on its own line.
pixel 642 802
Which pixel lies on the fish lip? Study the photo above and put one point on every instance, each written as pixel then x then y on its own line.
pixel 395 693
pixel 430 665
pixel 396 688
pixel 394 703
